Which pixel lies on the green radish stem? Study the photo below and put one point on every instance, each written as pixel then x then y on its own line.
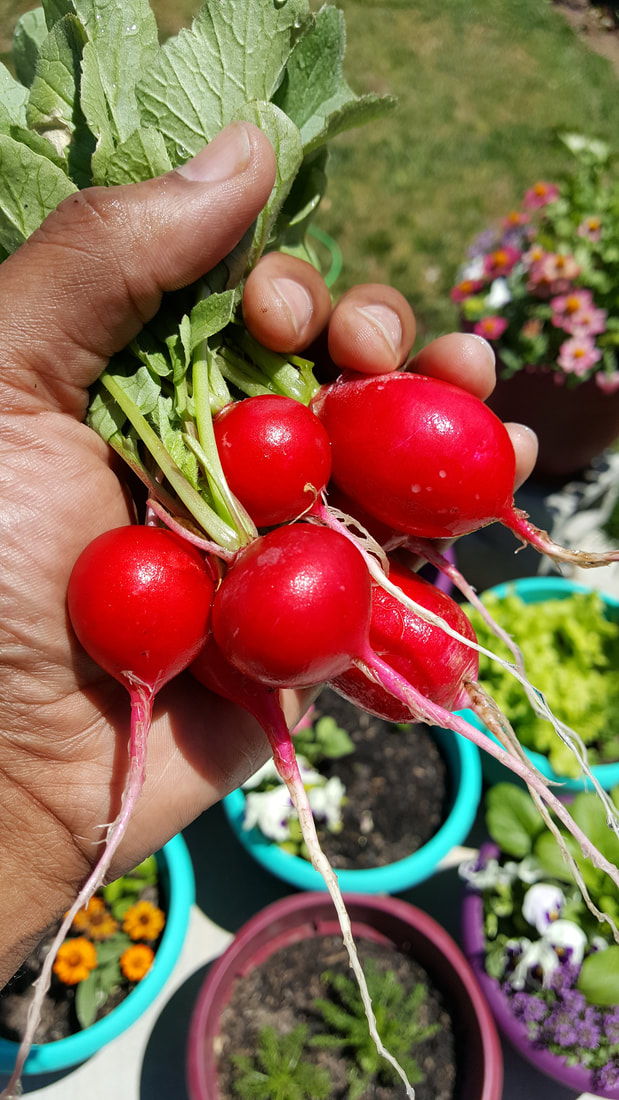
pixel 185 533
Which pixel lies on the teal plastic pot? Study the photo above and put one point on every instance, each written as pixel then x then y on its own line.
pixel 178 886
pixel 464 766
pixel 536 590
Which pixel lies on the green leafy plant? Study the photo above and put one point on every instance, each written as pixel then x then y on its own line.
pixel 322 740
pixel 399 1020
pixel 278 1071
pixel 573 645
pixel 67 121
pixel 557 962
pixel 543 286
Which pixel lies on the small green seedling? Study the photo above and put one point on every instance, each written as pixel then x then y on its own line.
pixel 398 1017
pixel 278 1071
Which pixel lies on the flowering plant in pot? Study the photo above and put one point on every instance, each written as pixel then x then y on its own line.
pixel 543 288
pixel 122 949
pixel 300 928
pixel 389 801
pixel 569 638
pixel 547 965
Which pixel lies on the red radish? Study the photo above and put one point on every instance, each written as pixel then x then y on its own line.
pixel 275 455
pixel 434 662
pixel 427 459
pixel 294 608
pixel 139 600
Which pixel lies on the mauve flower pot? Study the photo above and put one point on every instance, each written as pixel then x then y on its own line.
pixel 572 425
pixel 514 1030
pixel 386 920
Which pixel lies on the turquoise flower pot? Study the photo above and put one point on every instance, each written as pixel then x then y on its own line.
pixel 536 590
pixel 178 886
pixel 464 765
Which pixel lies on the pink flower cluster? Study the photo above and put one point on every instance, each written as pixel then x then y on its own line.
pixel 525 289
pixel 576 313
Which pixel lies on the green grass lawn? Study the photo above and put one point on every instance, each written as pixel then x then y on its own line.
pixel 483 87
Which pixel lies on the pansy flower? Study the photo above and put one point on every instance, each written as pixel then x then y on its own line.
pixel 542 904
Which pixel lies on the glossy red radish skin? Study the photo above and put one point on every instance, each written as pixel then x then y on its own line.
pixel 139 600
pixel 435 663
pixel 429 460
pixel 294 609
pixel 275 454
pixel 422 456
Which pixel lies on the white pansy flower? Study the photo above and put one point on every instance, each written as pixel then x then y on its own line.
pixel 499 294
pixel 485 874
pixel 267 773
pixel 568 939
pixel 529 870
pixel 539 955
pixel 598 943
pixel 542 904
pixel 270 811
pixel 326 801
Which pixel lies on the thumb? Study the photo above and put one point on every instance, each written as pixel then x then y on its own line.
pixel 85 282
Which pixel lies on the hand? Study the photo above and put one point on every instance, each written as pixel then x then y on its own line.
pixel 79 290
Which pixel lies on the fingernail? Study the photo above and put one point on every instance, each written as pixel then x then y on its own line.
pixel 387 323
pixel 488 347
pixel 297 302
pixel 225 156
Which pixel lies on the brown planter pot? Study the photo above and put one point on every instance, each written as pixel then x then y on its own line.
pixel 572 425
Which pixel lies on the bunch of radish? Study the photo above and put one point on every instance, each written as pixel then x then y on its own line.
pixel 316 595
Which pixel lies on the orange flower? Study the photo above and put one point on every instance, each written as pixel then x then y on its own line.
pixel 143 921
pixel 136 961
pixel 75 959
pixel 96 920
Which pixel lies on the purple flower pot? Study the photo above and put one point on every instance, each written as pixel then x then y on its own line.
pixel 515 1031
pixel 386 920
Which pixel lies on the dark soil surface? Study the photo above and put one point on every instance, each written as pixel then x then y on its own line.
pixel 397 788
pixel 281 991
